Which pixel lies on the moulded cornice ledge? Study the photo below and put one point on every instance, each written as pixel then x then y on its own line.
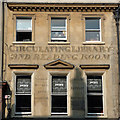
pixel 62 1
pixel 101 66
pixel 23 66
pixel 61 8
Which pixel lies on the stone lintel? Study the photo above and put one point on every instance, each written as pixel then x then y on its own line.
pixel 102 66
pixel 23 66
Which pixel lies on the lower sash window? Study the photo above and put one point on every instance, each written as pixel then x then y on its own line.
pixel 94 96
pixel 59 95
pixel 23 94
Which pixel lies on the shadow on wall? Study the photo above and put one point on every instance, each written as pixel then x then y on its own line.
pixel 6 101
pixel 77 97
pixel 78 87
pixel 77 101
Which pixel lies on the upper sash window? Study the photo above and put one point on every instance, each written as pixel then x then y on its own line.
pixel 92 29
pixel 23 29
pixel 58 29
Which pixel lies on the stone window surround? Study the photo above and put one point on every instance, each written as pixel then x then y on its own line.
pixel 24 72
pixel 33 28
pixel 59 73
pixel 93 70
pixel 102 17
pixel 67 16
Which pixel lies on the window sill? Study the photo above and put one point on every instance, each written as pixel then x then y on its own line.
pixel 58 116
pixel 24 43
pixel 62 115
pixel 22 115
pixel 95 116
pixel 58 43
pixel 93 43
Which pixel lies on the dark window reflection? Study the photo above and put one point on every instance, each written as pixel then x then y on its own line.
pixel 23 103
pixel 59 104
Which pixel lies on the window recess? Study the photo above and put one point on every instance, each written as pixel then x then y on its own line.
pixel 93 29
pixel 94 95
pixel 23 94
pixel 59 95
pixel 59 86
pixel 23 29
pixel 58 29
pixel 95 87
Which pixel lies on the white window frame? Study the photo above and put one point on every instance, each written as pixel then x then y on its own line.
pixel 22 18
pixel 102 114
pixel 32 16
pixel 94 30
pixel 17 73
pixel 59 39
pixel 67 77
pixel 96 115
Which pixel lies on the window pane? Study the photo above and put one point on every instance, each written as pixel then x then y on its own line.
pixel 92 36
pixel 58 34
pixel 24 36
pixel 58 22
pixel 23 103
pixel 59 84
pixel 94 83
pixel 95 104
pixel 23 84
pixel 59 104
pixel 58 28
pixel 24 24
pixel 94 101
pixel 92 23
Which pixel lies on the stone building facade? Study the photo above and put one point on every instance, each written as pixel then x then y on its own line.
pixel 60 60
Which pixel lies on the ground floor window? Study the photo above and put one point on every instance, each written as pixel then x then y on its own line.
pixel 59 95
pixel 23 94
pixel 94 95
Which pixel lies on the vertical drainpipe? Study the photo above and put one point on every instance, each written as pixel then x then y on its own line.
pixel 117 17
pixel 1 54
